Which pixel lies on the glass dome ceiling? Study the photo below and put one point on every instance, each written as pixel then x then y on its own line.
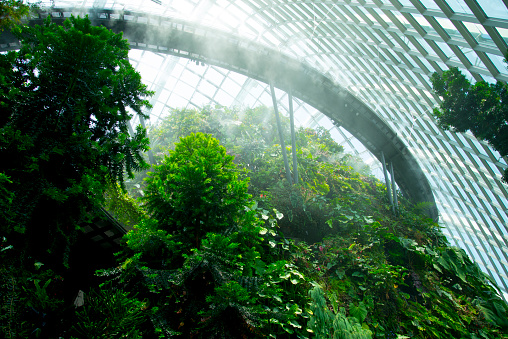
pixel 382 52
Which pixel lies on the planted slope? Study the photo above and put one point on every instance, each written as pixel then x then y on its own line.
pixel 329 249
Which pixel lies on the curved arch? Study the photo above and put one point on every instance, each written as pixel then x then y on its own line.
pixel 189 40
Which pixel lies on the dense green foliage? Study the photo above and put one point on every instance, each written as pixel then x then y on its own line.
pixel 480 108
pixel 324 258
pixel 11 12
pixel 64 138
pixel 221 246
pixel 200 259
pixel 109 313
pixel 200 174
pixel 64 134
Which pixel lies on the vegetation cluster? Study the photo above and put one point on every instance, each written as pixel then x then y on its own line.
pixel 478 107
pixel 346 265
pixel 220 244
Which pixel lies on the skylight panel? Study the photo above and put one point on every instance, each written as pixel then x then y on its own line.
pixel 315 11
pixel 214 76
pixel 289 12
pixel 170 83
pixel 297 48
pixel 477 31
pixel 430 4
pixel 177 101
pixel 240 79
pixel 190 78
pixel 244 7
pixel 183 89
pixel 365 12
pixel 157 109
pixel 504 33
pixel 199 100
pixel 338 12
pixel 269 36
pixel 230 87
pixel 259 23
pixel 249 101
pixel 272 16
pixel 491 199
pixel 499 63
pixel 445 49
pixel 300 27
pixel 207 88
pixel 223 98
pixel 300 115
pixel 232 16
pixel 286 31
pixel 184 8
pixel 478 192
pixel 149 73
pixel 406 3
pixel 494 9
pixel 497 172
pixel 459 6
pixel 164 95
pixel 220 3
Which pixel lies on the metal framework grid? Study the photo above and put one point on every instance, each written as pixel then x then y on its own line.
pixel 381 51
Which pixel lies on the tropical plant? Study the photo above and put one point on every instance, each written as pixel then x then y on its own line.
pixel 109 312
pixel 64 126
pixel 200 279
pixel 327 324
pixel 383 275
pixel 197 189
pixel 480 108
pixel 64 101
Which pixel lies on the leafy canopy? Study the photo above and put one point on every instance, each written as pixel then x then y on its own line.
pixel 11 12
pixel 196 189
pixel 480 108
pixel 64 100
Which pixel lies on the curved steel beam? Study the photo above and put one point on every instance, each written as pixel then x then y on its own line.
pixel 190 40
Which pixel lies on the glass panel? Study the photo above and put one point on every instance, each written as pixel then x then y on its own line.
pixel 214 76
pixel 223 98
pixel 199 99
pixel 406 3
pixel 498 61
pixel 430 4
pixel 207 88
pixel 504 33
pixel 495 9
pixel 190 78
pixel 177 101
pixel 459 6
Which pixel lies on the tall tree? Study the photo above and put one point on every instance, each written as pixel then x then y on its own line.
pixel 480 108
pixel 64 100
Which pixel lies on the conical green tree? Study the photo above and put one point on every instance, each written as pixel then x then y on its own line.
pixel 196 189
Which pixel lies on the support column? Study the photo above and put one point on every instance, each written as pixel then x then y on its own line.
pixel 281 136
pixel 394 189
pixel 387 181
pixel 293 138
